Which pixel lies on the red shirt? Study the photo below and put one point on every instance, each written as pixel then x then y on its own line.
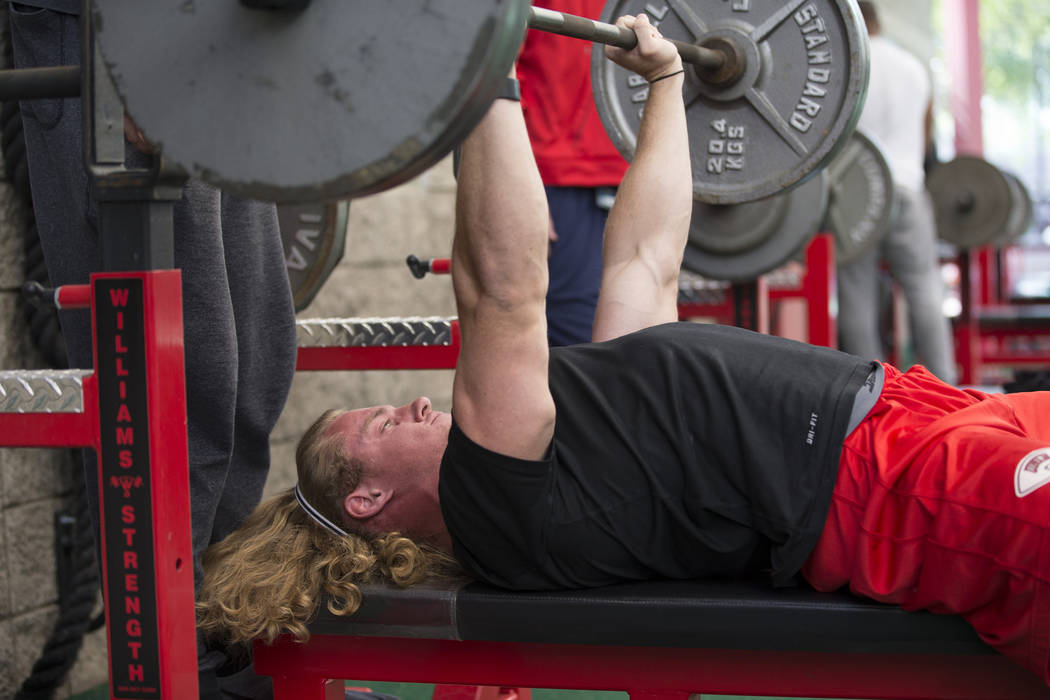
pixel 568 139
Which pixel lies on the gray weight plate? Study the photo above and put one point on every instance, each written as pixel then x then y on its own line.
pixel 799 96
pixel 772 231
pixel 971 201
pixel 341 99
pixel 1022 212
pixel 314 237
pixel 860 198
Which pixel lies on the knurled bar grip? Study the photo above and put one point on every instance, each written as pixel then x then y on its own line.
pixel 591 30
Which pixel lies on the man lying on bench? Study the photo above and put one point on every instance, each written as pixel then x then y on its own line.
pixel 662 450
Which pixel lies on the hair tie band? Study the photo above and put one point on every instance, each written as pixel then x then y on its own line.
pixel 316 516
pixel 669 75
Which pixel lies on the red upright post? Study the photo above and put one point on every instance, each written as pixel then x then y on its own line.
pixel 820 292
pixel 144 503
pixel 962 39
pixel 751 305
pixel 963 49
pixel 132 412
pixel 967 334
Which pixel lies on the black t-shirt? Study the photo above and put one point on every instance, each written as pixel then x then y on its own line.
pixel 681 451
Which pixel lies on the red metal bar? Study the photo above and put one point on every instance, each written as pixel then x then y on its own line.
pixel 818 291
pixel 134 417
pixel 751 305
pixel 1015 360
pixel 819 286
pixel 1012 268
pixel 988 280
pixel 73 296
pixel 962 41
pixel 981 339
pixel 1029 346
pixel 644 672
pixel 381 357
pixel 54 429
pixel 964 56
pixel 967 334
pixel 441 266
pixel 144 504
pixel 1003 282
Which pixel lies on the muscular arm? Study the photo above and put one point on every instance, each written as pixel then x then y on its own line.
pixel 499 269
pixel 649 224
pixel 499 255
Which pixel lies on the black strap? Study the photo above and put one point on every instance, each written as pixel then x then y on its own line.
pixel 511 90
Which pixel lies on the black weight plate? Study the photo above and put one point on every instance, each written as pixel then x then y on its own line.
pixel 799 213
pixel 340 99
pixel 860 198
pixel 314 238
pixel 1022 212
pixel 971 200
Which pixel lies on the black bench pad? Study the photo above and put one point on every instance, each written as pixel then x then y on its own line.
pixel 746 615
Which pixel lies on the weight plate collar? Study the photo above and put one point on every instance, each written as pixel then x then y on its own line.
pixel 800 95
pixel 341 99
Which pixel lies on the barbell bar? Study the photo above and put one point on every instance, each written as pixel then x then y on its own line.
pixel 39 83
pixel 577 27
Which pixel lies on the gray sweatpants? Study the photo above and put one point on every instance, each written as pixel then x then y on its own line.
pixel 910 251
pixel 239 321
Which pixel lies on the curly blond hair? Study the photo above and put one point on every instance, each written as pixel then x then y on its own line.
pixel 270 575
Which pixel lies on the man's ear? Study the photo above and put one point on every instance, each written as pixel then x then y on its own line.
pixel 365 502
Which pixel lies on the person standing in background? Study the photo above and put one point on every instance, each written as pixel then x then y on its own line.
pixel 897 116
pixel 579 165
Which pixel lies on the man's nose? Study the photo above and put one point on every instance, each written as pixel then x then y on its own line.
pixel 419 409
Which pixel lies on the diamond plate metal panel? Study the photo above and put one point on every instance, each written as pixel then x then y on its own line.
pixel 374 332
pixel 42 391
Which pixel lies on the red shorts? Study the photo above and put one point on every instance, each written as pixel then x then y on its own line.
pixel 943 503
